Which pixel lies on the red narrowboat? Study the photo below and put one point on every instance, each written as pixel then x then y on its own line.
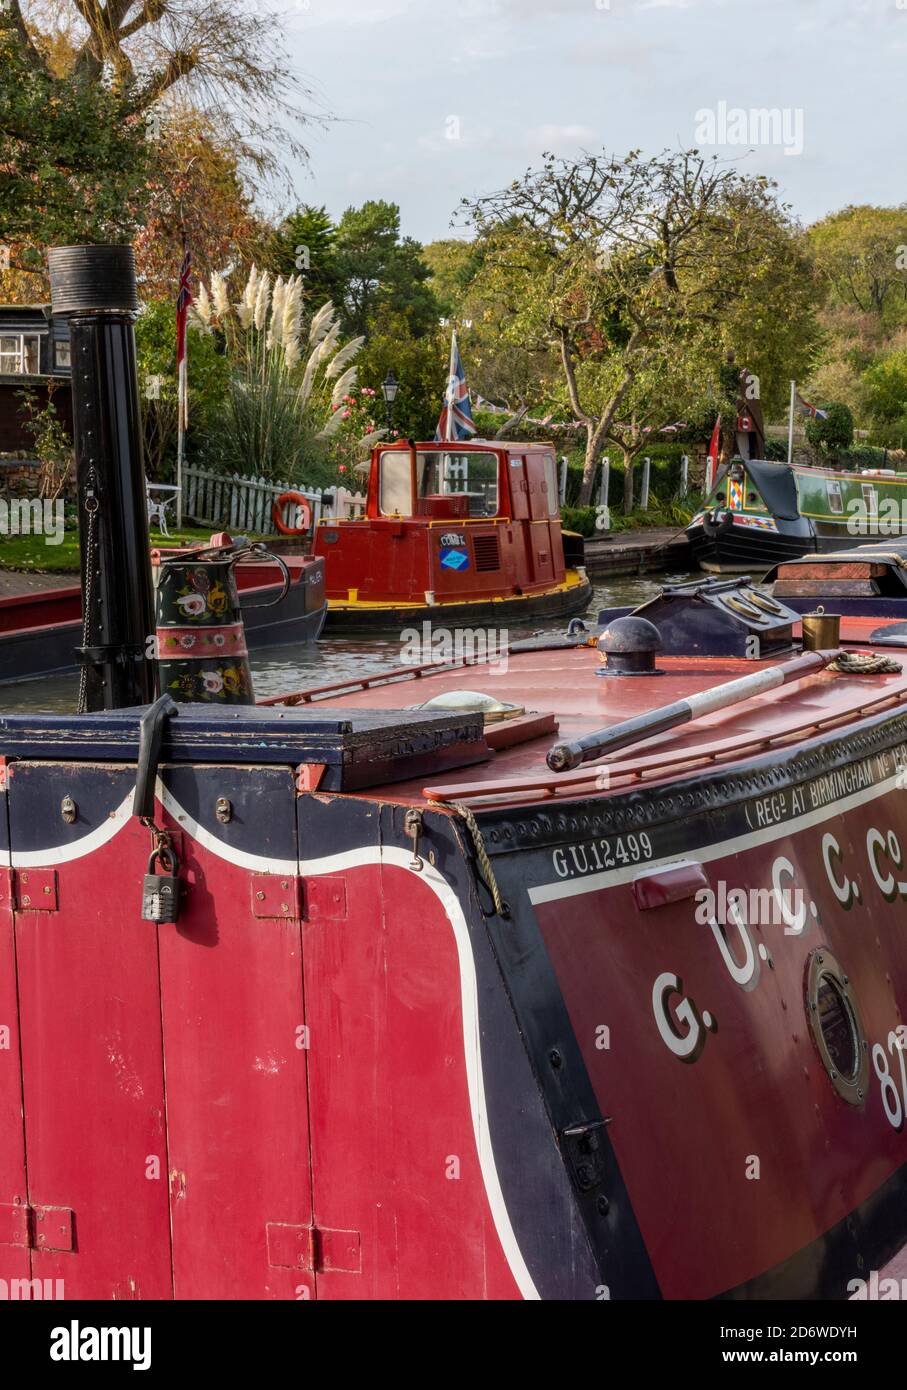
pixel 458 533
pixel 579 974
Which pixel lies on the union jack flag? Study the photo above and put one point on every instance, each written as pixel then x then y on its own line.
pixel 183 300
pixel 807 408
pixel 455 420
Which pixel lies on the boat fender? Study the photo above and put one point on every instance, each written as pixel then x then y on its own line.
pixel 714 523
pixel 302 515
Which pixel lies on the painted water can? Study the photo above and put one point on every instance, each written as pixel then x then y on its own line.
pixel 201 642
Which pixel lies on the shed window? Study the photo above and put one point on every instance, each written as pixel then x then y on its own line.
pixel 20 354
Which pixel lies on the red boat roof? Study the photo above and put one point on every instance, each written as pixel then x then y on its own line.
pixel 564 682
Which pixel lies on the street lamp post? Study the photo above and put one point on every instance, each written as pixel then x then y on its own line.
pixel 389 387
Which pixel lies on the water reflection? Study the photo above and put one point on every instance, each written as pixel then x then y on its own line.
pixel 330 660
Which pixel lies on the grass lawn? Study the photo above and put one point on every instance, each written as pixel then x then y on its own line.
pixel 31 553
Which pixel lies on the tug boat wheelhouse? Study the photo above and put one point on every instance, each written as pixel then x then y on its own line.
pixel 760 513
pixel 586 981
pixel 459 533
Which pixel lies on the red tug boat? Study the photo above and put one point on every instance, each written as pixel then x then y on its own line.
pixel 455 533
pixel 506 980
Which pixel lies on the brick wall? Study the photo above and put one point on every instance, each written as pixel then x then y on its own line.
pixel 19 479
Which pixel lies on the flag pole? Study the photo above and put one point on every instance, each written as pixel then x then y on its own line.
pixel 182 420
pixel 183 300
pixel 449 431
pixel 790 426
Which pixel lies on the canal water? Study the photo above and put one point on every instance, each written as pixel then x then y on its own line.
pixel 330 660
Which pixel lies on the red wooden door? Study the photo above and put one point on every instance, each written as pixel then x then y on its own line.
pixel 163 1067
pixel 235 1045
pixel 92 1064
pixel 519 488
pixel 14 1256
pixel 540 553
pixel 400 1203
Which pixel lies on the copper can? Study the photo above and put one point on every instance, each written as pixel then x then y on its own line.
pixel 821 630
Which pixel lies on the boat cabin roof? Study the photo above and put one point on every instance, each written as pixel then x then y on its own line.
pixel 563 683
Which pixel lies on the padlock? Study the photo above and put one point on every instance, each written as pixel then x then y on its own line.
pixel 161 892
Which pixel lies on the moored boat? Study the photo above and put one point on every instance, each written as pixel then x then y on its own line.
pixel 576 974
pixel 456 534
pixel 760 514
pixel 40 632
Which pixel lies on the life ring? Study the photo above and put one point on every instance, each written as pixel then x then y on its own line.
pixel 303 513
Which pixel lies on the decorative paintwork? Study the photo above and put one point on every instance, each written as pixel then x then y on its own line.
pixel 201 647
pixel 739 527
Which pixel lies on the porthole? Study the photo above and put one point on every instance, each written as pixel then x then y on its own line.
pixel 837 1031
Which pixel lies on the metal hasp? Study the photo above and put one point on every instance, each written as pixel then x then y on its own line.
pixel 151 737
pixel 94 288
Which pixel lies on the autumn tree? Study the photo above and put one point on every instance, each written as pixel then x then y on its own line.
pixel 194 196
pixel 618 264
pixel 227 58
pixel 861 253
pixel 72 157
pixel 513 373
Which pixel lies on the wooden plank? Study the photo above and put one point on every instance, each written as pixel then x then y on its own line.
pixel 828 588
pixel 823 570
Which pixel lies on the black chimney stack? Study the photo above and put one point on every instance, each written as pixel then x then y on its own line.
pixel 94 287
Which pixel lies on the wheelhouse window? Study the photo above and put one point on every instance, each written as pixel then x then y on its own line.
pixel 835 499
pixel 20 354
pixel 470 477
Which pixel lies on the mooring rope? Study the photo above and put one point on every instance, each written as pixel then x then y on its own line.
pixel 488 877
pixel 865 664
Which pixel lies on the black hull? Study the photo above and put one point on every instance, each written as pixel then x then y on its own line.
pixel 749 549
pixel 564 603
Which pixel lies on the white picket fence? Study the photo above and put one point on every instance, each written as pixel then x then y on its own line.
pixel 244 504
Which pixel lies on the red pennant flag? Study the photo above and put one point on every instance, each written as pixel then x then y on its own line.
pixel 711 467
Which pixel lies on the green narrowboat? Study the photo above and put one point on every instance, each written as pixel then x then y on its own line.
pixel 760 513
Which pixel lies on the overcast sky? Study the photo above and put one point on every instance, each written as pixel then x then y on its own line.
pixel 440 100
